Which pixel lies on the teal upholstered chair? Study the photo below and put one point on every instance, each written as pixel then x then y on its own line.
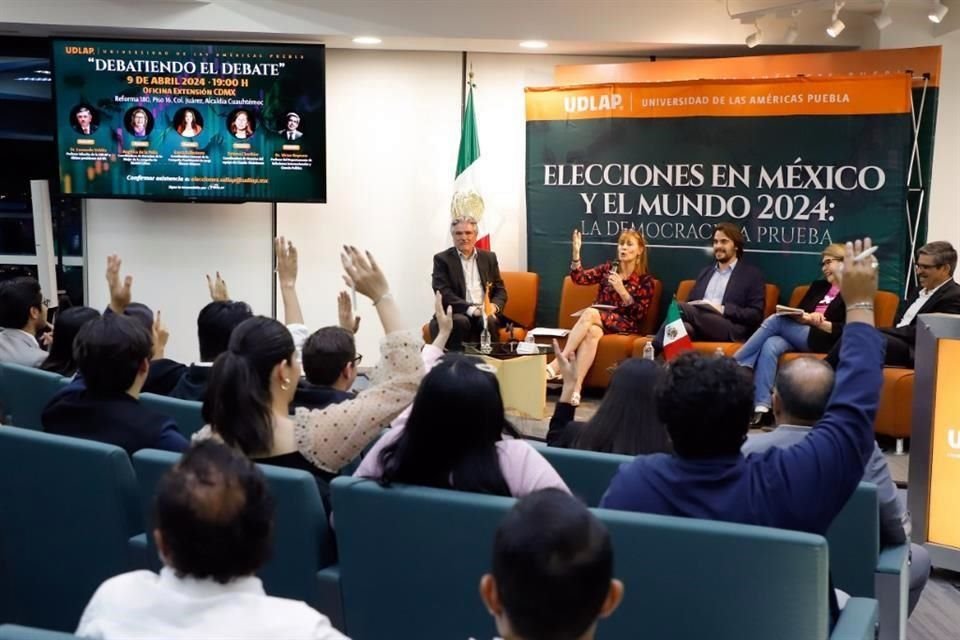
pixel 16 632
pixel 68 508
pixel 587 473
pixel 186 413
pixel 24 392
pixel 684 578
pixel 303 546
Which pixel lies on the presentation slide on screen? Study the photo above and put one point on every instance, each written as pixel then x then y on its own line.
pixel 190 121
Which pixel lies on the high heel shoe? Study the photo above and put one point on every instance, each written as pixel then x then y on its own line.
pixel 575 399
pixel 552 374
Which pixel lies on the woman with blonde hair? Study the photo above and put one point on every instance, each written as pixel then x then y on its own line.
pixel 625 294
pixel 815 330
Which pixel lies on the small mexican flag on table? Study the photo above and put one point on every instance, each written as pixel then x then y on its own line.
pixel 675 338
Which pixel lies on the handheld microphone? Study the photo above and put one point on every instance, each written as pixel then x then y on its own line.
pixel 615 265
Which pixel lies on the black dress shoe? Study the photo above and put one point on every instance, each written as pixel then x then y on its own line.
pixel 761 419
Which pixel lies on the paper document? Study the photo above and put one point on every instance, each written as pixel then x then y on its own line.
pixel 547 332
pixel 789 311
pixel 601 307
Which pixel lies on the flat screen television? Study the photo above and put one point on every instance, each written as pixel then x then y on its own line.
pixel 190 121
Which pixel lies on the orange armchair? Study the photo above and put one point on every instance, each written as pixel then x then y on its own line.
pixel 522 290
pixel 613 347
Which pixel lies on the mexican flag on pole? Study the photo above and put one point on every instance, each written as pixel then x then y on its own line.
pixel 467 200
pixel 675 338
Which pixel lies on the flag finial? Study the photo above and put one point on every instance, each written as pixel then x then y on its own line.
pixel 470 82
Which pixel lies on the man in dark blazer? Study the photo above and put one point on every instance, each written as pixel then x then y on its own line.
pixel 461 274
pixel 726 302
pixel 938 293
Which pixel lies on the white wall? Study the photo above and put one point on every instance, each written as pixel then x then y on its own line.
pixel 912 29
pixel 168 248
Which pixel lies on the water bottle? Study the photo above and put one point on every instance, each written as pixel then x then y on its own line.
pixel 485 344
pixel 719 353
pixel 648 351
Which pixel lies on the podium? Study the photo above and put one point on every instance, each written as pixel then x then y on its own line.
pixel 934 495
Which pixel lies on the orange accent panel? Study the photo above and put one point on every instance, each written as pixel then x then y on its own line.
pixel 919 60
pixel 943 518
pixel 722 98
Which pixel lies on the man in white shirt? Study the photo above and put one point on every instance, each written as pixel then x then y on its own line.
pixel 462 274
pixel 23 313
pixel 938 293
pixel 214 519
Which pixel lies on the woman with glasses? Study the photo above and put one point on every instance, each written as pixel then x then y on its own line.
pixel 815 330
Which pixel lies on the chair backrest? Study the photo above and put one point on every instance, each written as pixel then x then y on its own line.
pixel 574 297
pixel 24 392
pixel 683 290
pixel 302 540
pixel 68 508
pixel 854 539
pixel 684 578
pixel 16 632
pixel 885 304
pixel 186 413
pixel 522 291
pixel 587 473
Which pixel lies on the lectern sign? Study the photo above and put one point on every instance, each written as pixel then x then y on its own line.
pixel 944 514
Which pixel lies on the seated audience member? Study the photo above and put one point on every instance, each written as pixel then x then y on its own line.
pixel 626 421
pixel 65 328
pixel 457 437
pixel 727 301
pixel 625 286
pixel 113 357
pixel 800 399
pixel 706 403
pixel 254 381
pixel 463 274
pixel 817 330
pixel 938 293
pixel 23 314
pixel 552 571
pixel 330 364
pixel 214 526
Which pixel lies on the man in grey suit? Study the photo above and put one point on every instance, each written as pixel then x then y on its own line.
pixel 462 275
pixel 800 397
pixel 23 313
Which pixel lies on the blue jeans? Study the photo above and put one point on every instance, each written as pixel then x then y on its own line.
pixel 776 336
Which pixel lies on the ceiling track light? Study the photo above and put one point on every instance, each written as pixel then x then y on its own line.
pixel 756 37
pixel 883 19
pixel 793 32
pixel 836 25
pixel 937 12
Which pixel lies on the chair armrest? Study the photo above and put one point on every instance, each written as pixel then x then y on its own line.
pixel 329 601
pixel 858 620
pixel 893 559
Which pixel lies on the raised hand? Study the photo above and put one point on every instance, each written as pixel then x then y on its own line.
pixel 218 288
pixel 287 261
pixel 160 336
pixel 120 292
pixel 858 282
pixel 347 320
pixel 444 317
pixel 567 367
pixel 361 271
pixel 577 242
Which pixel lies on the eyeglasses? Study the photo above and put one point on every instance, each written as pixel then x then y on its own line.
pixel 357 359
pixel 45 302
pixel 925 267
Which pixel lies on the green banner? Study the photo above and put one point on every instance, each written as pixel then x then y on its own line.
pixel 190 120
pixel 793 182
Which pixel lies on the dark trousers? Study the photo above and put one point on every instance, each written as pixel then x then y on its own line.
pixel 466 329
pixel 899 351
pixel 701 324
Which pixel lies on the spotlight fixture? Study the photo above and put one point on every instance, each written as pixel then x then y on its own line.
pixel 792 34
pixel 883 19
pixel 533 44
pixel 756 37
pixel 367 40
pixel 937 12
pixel 836 25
